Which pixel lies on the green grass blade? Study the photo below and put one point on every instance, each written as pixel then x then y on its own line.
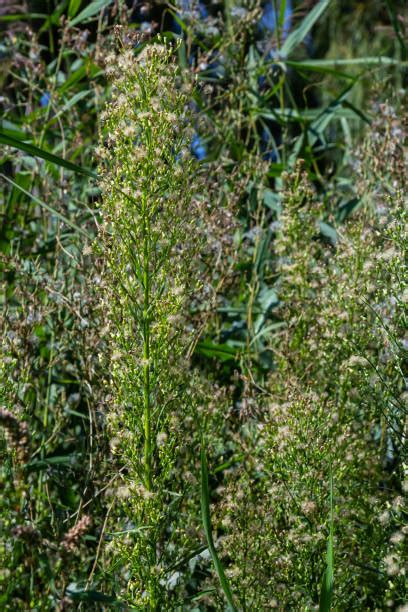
pixel 73 8
pixel 224 352
pixel 321 64
pixel 316 129
pixel 21 16
pixel 282 13
pixel 397 28
pixel 297 36
pixel 72 102
pixel 205 511
pixel 87 71
pixel 46 206
pixel 37 152
pixel 326 593
pixel 92 9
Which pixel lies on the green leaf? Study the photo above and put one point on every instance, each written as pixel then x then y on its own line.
pixel 267 299
pixel 326 593
pixel 88 70
pixel 43 464
pixel 397 27
pixel 282 13
pixel 76 98
pixel 92 9
pixel 12 129
pixel 319 125
pixel 73 8
pixel 328 232
pixel 200 595
pixel 55 17
pixel 224 352
pixel 297 36
pixel 205 512
pixel 43 154
pixel 272 200
pixel 347 208
pixel 22 16
pixel 46 206
pixel 229 463
pixel 311 64
pixel 78 593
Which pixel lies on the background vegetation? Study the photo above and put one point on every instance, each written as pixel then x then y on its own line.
pixel 204 305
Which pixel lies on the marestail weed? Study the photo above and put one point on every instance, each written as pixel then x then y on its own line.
pixel 150 235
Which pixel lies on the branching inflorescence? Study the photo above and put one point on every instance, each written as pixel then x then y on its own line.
pixel 151 236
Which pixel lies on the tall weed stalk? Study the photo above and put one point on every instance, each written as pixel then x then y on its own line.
pixel 151 236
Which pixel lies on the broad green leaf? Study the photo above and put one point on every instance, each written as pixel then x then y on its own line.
pixel 205 513
pixel 92 9
pixel 43 154
pixel 46 206
pixel 297 36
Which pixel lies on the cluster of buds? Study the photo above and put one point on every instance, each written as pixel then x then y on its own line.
pixel 16 433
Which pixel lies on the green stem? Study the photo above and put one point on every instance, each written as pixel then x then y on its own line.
pixel 147 426
pixel 147 409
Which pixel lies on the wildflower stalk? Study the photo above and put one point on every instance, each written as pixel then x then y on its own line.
pixel 149 220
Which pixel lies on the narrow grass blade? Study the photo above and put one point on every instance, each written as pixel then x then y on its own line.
pixel 87 71
pixel 73 8
pixel 224 352
pixel 297 36
pixel 37 152
pixel 316 129
pixel 92 9
pixel 316 64
pixel 205 511
pixel 72 102
pixel 78 593
pixel 326 593
pixel 397 28
pixel 282 13
pixel 21 16
pixel 46 206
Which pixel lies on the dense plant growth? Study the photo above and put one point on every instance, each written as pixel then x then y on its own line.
pixel 204 306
